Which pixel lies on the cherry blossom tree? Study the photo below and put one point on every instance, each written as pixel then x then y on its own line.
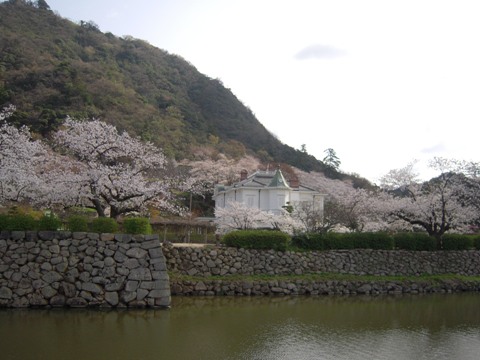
pixel 345 206
pixel 111 171
pixel 208 172
pixel 238 216
pixel 200 177
pixel 445 203
pixel 21 161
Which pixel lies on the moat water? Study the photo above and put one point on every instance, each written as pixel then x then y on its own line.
pixel 385 327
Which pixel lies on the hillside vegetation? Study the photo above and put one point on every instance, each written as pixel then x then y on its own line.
pixel 51 67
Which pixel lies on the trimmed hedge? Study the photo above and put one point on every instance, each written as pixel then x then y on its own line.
pixel 49 222
pixel 104 225
pixel 383 241
pixel 457 242
pixel 4 221
pixel 137 226
pixel 18 222
pixel 341 241
pixel 77 223
pixel 415 242
pixel 309 241
pixel 377 241
pixel 257 239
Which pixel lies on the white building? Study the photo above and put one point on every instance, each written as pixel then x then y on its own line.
pixel 267 191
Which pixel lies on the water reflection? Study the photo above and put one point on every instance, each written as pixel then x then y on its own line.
pixel 405 327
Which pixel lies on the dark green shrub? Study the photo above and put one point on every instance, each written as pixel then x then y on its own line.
pixel 376 241
pixel 77 223
pixel 4 221
pixel 415 241
pixel 137 226
pixel 457 242
pixel 341 241
pixel 104 225
pixel 49 222
pixel 338 241
pixel 257 239
pixel 21 222
pixel 476 241
pixel 309 241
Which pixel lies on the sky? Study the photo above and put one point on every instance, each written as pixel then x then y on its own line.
pixel 383 83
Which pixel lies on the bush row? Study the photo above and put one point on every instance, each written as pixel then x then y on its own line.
pixel 26 222
pixel 257 239
pixel 338 241
pixel 264 239
pixel 402 241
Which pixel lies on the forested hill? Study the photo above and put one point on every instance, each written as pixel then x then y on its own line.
pixel 51 67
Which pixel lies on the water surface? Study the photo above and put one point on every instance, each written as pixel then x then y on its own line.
pixel 402 327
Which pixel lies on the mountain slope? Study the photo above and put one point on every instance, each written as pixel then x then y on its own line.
pixel 51 67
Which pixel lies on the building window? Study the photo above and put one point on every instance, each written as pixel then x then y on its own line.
pixel 280 200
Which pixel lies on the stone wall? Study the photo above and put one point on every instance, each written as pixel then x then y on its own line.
pixel 230 261
pixel 207 262
pixel 318 287
pixel 82 269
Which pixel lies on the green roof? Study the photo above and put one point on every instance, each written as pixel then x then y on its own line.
pixel 278 180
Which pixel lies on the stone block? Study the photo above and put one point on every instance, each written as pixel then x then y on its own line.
pixel 155 253
pixel 122 271
pixel 21 302
pixel 147 245
pixel 128 296
pixel 69 290
pixel 108 261
pixel 161 284
pixel 56 260
pixel 200 286
pixel 17 235
pixel 37 300
pixel 16 276
pixel 61 267
pixel 46 266
pixel 131 285
pixel 5 293
pixel 120 257
pixel 54 249
pixel 108 272
pixel 48 292
pixel 58 301
pixel 107 237
pixel 116 286
pixel 52 276
pixel 76 302
pixel 123 238
pixel 160 266
pixel 131 263
pixel 163 302
pixel 140 274
pixel 142 294
pixel 159 275
pixel 90 250
pixel 136 253
pixel 111 297
pixel 46 235
pixel 92 288
pixel 98 264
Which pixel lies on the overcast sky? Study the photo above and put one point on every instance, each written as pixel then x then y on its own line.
pixel 380 82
